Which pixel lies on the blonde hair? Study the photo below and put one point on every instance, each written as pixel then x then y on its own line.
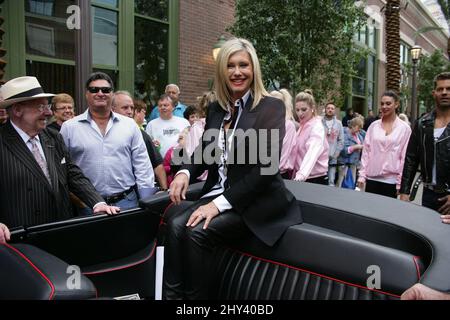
pixel 286 97
pixel 356 121
pixel 228 49
pixel 404 117
pixel 204 101
pixel 308 98
pixel 62 98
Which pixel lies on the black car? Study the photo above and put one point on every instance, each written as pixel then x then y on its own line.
pixel 351 246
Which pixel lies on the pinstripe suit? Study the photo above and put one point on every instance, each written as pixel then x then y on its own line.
pixel 26 197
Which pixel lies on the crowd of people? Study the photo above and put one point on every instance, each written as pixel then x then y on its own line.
pixel 116 152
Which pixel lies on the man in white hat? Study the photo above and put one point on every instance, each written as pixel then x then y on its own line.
pixel 36 171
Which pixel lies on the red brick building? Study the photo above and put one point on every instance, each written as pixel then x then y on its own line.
pixel 202 22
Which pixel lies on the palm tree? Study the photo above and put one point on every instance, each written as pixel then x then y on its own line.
pixel 392 30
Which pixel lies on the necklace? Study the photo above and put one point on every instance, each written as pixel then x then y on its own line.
pixel 329 128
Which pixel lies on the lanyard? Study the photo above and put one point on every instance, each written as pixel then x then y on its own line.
pixel 224 144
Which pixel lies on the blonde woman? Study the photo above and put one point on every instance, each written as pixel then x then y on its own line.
pixel 311 149
pixel 286 159
pixel 237 199
pixel 63 110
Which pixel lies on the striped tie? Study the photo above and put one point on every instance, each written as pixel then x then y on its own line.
pixel 39 159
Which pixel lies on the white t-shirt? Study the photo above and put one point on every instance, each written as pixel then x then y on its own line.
pixel 166 132
pixel 437 134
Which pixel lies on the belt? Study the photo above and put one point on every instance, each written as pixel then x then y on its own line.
pixel 438 189
pixel 118 196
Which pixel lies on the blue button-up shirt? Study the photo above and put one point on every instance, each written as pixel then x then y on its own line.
pixel 114 162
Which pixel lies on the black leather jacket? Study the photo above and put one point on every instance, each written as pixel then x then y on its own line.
pixel 422 149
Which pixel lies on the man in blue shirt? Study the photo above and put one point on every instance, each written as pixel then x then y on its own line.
pixel 173 91
pixel 109 148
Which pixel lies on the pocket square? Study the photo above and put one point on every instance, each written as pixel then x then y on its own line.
pixel 63 161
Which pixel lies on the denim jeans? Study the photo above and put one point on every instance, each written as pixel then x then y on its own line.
pixel 129 202
pixel 331 174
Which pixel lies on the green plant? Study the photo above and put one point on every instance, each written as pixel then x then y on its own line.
pixel 303 43
pixel 429 67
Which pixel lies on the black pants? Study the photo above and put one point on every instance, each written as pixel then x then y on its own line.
pixel 319 180
pixel 381 188
pixel 188 252
pixel 430 199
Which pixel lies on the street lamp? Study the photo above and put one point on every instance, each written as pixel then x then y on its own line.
pixel 217 46
pixel 415 55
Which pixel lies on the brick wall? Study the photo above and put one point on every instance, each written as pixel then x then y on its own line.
pixel 202 22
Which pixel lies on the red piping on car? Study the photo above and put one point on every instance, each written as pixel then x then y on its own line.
pixel 416 263
pixel 165 210
pixel 94 273
pixel 316 274
pixel 52 287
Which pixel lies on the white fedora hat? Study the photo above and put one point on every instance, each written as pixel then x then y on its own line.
pixel 21 89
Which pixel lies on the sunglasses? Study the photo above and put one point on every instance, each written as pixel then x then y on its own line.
pixel 97 89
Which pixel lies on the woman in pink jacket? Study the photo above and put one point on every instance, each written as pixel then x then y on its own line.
pixel 384 150
pixel 311 148
pixel 286 159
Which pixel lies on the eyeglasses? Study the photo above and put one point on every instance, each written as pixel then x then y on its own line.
pixel 97 89
pixel 44 107
pixel 64 108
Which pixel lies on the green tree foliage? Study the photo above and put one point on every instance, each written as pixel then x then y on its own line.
pixel 445 8
pixel 428 68
pixel 303 43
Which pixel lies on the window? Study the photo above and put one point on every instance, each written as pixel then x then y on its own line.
pixel 110 3
pixel 151 54
pixel 152 8
pixel 41 7
pixel 53 77
pixel 364 81
pixel 104 36
pixel 50 45
pixel 46 32
pixel 140 64
pixel 405 79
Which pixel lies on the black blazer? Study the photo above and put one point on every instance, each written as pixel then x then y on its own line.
pixel 265 204
pixel 26 197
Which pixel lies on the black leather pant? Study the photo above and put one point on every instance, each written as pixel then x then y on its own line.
pixel 188 252
pixel 384 189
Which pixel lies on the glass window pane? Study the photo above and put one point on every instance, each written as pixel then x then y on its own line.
pixel 372 37
pixel 46 31
pixel 151 58
pixel 404 53
pixel 359 87
pixel 153 8
pixel 361 68
pixel 54 78
pixel 358 104
pixel 104 36
pixel 113 74
pixel 371 68
pixel 111 3
pixel 362 35
pixel 370 96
